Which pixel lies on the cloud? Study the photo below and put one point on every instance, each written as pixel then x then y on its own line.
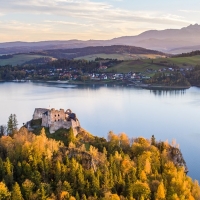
pixel 85 9
pixel 17 25
pixel 66 23
pixel 75 19
pixel 190 11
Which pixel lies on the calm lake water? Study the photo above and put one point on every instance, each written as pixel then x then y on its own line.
pixel 166 114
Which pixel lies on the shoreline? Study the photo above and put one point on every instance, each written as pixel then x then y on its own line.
pixel 112 82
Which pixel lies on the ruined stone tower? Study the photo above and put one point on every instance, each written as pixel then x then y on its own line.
pixel 57 119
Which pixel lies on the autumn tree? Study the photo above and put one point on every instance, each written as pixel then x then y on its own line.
pixel 141 190
pixel 71 137
pixel 4 193
pixel 16 192
pixel 36 167
pixel 27 187
pixel 160 194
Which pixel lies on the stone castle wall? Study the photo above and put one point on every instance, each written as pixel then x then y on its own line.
pixel 57 115
pixel 58 125
pixel 38 113
pixel 56 119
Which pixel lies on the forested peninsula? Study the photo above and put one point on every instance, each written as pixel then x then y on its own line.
pixel 39 165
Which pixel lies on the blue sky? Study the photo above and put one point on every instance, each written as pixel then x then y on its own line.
pixel 37 20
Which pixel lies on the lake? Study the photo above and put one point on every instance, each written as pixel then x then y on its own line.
pixel 167 115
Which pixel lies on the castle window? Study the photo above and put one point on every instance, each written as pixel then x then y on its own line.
pixel 55 120
pixel 58 119
pixel 55 115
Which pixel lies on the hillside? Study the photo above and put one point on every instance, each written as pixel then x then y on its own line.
pixel 20 59
pixel 143 65
pixel 189 54
pixel 185 49
pixel 114 49
pixel 120 51
pixel 88 167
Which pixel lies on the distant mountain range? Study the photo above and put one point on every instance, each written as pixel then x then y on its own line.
pixel 169 41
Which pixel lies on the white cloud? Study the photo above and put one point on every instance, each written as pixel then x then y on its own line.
pixel 85 9
pixel 66 23
pixel 190 11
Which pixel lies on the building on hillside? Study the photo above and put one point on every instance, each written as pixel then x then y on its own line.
pixel 57 119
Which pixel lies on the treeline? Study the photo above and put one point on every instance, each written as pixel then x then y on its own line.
pixel 8 73
pixel 169 79
pixel 76 67
pixel 36 167
pixel 38 61
pixel 6 56
pixel 194 76
pixel 193 53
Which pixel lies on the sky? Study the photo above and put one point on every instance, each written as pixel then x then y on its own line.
pixel 41 20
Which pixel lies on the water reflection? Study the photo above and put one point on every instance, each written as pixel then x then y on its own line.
pixel 168 92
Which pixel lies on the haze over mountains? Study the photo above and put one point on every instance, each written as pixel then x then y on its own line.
pixel 169 41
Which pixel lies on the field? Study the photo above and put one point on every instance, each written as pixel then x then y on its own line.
pixel 124 56
pixel 185 61
pixel 141 65
pixel 18 59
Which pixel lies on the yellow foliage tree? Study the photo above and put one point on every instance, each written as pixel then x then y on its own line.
pixel 4 193
pixel 113 138
pixel 64 195
pixel 160 194
pixel 140 145
pixel 143 176
pixel 72 198
pixel 196 190
pixel 16 192
pixel 126 165
pixel 147 167
pixel 124 140
pixel 141 190
pixel 109 196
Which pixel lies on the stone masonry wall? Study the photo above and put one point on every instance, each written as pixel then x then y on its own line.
pixel 38 113
pixel 55 119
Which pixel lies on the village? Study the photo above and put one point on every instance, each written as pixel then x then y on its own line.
pixel 100 74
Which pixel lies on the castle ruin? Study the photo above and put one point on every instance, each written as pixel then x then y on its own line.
pixel 57 119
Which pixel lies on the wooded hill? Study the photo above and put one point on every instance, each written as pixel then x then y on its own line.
pixel 88 167
pixel 115 49
pixel 193 53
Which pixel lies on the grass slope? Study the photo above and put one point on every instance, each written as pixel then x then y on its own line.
pixel 18 59
pixel 141 65
pixel 124 56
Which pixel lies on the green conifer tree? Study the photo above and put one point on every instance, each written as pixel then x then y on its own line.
pixel 12 124
pixel 77 196
pixel 153 140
